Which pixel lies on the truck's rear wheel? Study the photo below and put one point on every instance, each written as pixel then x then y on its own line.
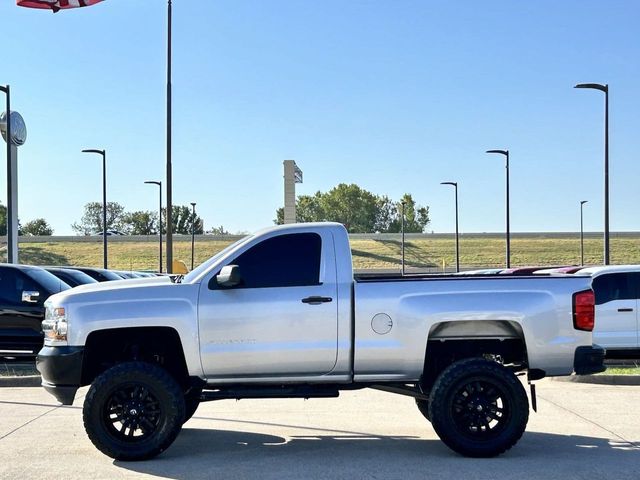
pixel 133 411
pixel 478 408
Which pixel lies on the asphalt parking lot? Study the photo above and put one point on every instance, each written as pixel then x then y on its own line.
pixel 581 431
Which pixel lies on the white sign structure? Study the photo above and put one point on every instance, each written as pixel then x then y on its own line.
pixel 18 137
pixel 292 175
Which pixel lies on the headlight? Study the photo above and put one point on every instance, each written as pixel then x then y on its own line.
pixel 55 326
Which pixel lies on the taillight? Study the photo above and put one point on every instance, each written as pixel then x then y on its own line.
pixel 584 310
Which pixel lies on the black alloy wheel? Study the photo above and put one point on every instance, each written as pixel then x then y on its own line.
pixel 480 409
pixel 132 412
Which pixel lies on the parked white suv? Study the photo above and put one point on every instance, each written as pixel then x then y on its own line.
pixel 617 290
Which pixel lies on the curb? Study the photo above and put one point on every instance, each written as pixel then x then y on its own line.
pixel 632 380
pixel 23 381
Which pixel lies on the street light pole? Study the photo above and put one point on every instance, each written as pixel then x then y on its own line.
pixel 153 182
pixel 193 232
pixel 402 229
pixel 104 202
pixel 169 176
pixel 455 185
pixel 604 88
pixel 508 234
pixel 582 233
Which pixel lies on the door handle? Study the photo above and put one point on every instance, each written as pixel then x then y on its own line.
pixel 316 300
pixel 625 309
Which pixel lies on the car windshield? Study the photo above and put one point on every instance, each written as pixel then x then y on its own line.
pixel 203 267
pixel 47 280
pixel 79 276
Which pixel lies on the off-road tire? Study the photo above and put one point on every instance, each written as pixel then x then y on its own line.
pixel 478 408
pixel 141 399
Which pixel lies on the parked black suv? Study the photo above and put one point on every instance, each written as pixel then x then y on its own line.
pixel 23 291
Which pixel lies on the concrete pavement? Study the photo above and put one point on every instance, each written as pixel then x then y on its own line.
pixel 581 432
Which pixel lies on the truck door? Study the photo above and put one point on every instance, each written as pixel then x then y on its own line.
pixel 281 320
pixel 616 310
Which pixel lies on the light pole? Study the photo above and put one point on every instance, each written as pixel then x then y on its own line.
pixel 402 204
pixel 169 176
pixel 455 185
pixel 11 245
pixel 159 184
pixel 10 232
pixel 14 132
pixel 508 234
pixel 193 232
pixel 104 201
pixel 605 89
pixel 582 233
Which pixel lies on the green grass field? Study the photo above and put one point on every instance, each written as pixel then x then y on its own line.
pixel 426 253
pixel 622 371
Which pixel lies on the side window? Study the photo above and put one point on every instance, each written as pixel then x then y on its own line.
pixel 12 284
pixel 291 260
pixel 615 286
pixel 8 288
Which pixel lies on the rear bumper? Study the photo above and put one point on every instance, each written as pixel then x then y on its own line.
pixel 589 360
pixel 61 370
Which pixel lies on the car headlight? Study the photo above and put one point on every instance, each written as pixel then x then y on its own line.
pixel 55 326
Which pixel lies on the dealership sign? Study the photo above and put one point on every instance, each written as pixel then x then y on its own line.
pixel 56 5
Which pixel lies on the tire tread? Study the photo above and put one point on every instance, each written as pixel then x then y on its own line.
pixel 438 408
pixel 129 371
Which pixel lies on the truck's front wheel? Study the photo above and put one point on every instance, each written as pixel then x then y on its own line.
pixel 478 408
pixel 133 411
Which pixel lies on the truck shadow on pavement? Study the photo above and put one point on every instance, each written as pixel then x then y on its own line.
pixel 320 453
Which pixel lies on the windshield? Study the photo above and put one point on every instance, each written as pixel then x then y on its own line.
pixel 79 276
pixel 203 267
pixel 47 280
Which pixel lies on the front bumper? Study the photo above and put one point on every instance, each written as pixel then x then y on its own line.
pixel 589 360
pixel 61 370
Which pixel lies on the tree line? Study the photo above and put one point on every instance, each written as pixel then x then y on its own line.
pixel 38 226
pixel 359 210
pixel 140 222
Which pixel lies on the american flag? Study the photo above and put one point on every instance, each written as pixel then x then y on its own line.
pixel 56 5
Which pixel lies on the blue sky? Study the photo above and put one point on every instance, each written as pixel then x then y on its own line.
pixel 395 96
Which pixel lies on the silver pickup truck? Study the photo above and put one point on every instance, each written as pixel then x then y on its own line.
pixel 280 314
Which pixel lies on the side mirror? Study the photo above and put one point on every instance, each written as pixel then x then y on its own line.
pixel 229 276
pixel 30 296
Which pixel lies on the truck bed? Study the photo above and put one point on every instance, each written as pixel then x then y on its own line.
pixel 398 277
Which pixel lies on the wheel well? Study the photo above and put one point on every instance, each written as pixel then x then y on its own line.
pixel 511 352
pixel 159 345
